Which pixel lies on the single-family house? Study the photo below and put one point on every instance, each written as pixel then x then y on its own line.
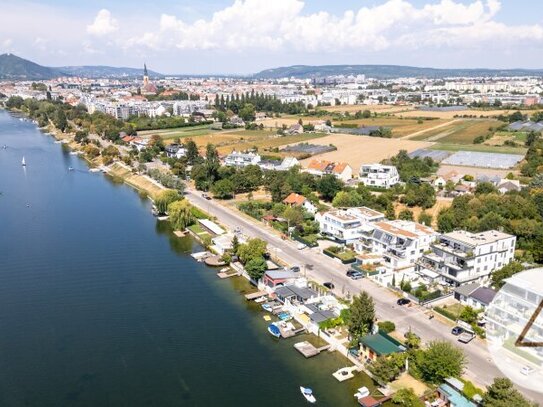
pixel 378 175
pixel 278 278
pixel 300 201
pixel 239 159
pixel 343 171
pixel 293 293
pixel 175 150
pixel 474 295
pixel 295 129
pixel 379 344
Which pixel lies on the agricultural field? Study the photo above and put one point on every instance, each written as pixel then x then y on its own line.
pixel 460 131
pixel 459 113
pixel 358 150
pixel 400 127
pixel 181 132
pixel 372 108
pixel 482 148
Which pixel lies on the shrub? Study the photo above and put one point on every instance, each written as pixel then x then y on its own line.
pixel 387 326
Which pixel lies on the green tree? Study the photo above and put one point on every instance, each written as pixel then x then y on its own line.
pixel 165 198
pixel 254 248
pixel 191 152
pixel 485 188
pixel 256 267
pixel 293 215
pixel 212 163
pixel 384 370
pixel 441 360
pixel 180 214
pixel 350 199
pixel 425 218
pixel 505 272
pixel 387 326
pixel 468 315
pixel 502 393
pixel 406 214
pixel 412 341
pixel 406 397
pixel 247 113
pixel 328 186
pixel 362 315
pixel 223 189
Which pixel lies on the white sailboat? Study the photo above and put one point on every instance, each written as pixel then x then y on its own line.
pixel 23 163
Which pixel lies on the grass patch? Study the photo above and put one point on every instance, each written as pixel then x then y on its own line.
pixel 479 148
pixel 509 344
pixel 400 126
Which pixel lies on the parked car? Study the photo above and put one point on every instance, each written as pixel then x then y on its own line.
pixel 295 269
pixel 527 370
pixel 357 275
pixel 457 330
pixel 329 285
pixel 301 246
pixel 403 301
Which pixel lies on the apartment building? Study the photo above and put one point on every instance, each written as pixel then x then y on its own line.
pixel 347 225
pixel 462 257
pixel 378 175
pixel 399 242
pixel 239 159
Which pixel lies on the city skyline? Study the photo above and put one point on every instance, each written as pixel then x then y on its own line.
pixel 242 37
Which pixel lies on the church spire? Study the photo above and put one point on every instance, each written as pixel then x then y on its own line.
pixel 145 70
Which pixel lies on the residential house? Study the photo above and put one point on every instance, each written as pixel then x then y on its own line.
pixel 285 165
pixel 278 278
pixel 294 294
pixel 399 242
pixel 175 150
pixel 507 185
pixel 379 344
pixel 300 201
pixel 239 159
pixel 378 175
pixel 347 225
pixel 474 295
pixel 139 143
pixel 451 394
pixel 462 257
pixel 343 171
pixel 295 129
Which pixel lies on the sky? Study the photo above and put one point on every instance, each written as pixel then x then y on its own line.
pixel 246 36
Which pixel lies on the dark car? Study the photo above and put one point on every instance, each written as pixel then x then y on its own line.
pixel 403 301
pixel 329 285
pixel 457 330
pixel 295 269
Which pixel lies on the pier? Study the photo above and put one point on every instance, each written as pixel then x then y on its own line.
pixel 255 295
pixel 309 350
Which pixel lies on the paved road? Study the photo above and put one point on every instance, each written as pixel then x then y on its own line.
pixel 480 370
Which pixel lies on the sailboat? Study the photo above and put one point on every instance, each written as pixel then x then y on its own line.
pixel 23 163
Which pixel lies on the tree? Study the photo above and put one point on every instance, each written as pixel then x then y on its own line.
pixel 293 215
pixel 247 113
pixel 60 121
pixel 387 326
pixel 350 199
pixel 502 393
pixel 406 397
pixel 165 198
pixel 223 189
pixel 235 244
pixel 384 369
pixel 412 341
pixel 180 213
pixel 406 214
pixel 212 163
pixel 256 267
pixel 425 218
pixel 191 152
pixel 505 272
pixel 441 360
pixel 362 315
pixel 254 248
pixel 468 315
pixel 485 188
pixel 328 186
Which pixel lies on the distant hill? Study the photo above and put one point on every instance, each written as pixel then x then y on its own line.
pixel 386 72
pixel 100 71
pixel 16 68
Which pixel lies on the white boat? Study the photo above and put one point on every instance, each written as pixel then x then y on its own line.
pixel 361 393
pixel 94 169
pixel 23 163
pixel 261 299
pixel 308 394
pixel 70 168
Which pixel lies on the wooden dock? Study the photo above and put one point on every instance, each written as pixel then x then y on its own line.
pixel 308 349
pixel 255 295
pixel 224 275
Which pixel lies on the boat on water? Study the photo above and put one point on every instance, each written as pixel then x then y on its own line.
pixel 70 168
pixel 274 330
pixel 284 316
pixel 23 163
pixel 308 394
pixel 267 307
pixel 260 300
pixel 94 169
pixel 361 393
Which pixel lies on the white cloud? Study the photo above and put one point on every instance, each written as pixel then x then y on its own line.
pixel 7 43
pixel 282 25
pixel 103 24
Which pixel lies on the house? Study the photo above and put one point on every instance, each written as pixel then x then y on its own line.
pixel 237 121
pixel 295 129
pixel 175 150
pixel 239 159
pixel 505 186
pixel 439 182
pixel 285 165
pixel 222 243
pixel 300 201
pixel 347 225
pixel 474 295
pixel 401 243
pixel 378 175
pixel 342 171
pixel 379 344
pixel 462 257
pixel 278 278
pixel 293 293
pixel 139 143
pixel 450 393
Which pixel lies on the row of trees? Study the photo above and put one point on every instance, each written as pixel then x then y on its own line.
pixel 259 102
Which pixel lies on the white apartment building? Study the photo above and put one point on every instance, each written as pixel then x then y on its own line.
pixel 399 242
pixel 378 175
pixel 239 159
pixel 462 257
pixel 347 225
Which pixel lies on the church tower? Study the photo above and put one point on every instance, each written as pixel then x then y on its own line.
pixel 145 76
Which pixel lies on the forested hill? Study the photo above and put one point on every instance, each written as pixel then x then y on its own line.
pixel 387 71
pixel 16 68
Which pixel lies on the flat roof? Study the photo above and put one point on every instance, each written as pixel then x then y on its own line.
pixel 382 344
pixel 212 226
pixel 475 239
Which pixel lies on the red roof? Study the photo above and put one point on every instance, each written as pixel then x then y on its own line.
pixel 294 199
pixel 369 401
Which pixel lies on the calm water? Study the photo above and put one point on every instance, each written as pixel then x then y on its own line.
pixel 101 306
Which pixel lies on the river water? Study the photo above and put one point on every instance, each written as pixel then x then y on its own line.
pixel 100 305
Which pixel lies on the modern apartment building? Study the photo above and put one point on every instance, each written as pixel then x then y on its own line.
pixel 462 257
pixel 239 159
pixel 399 242
pixel 347 225
pixel 378 175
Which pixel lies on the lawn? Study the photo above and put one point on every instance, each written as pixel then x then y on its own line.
pixel 479 147
pixel 400 127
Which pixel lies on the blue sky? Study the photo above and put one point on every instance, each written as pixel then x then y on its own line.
pixel 244 36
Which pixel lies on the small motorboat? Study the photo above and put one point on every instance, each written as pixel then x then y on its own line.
pixel 284 316
pixel 267 307
pixel 274 330
pixel 70 168
pixel 308 394
pixel 23 163
pixel 361 393
pixel 260 300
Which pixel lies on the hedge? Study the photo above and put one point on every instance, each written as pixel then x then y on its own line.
pixel 335 256
pixel 307 242
pixel 445 313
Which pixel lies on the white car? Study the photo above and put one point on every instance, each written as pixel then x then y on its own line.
pixel 301 246
pixel 527 370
